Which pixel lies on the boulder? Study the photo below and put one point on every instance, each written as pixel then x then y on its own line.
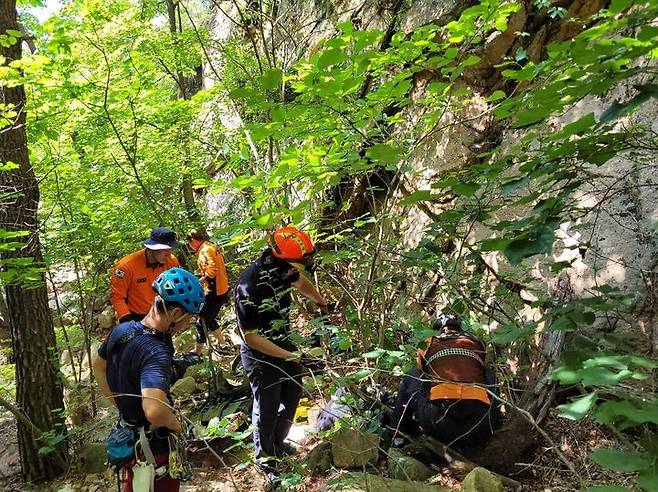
pixel 481 480
pixel 90 458
pixel 365 482
pixel 320 458
pixel 196 372
pixel 106 318
pixel 184 387
pixel 353 448
pixel 403 467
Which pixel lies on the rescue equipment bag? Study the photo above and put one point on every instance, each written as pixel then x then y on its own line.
pixel 120 446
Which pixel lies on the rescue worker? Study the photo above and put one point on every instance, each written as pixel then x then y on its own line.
pixel 132 276
pixel 271 360
pixel 214 280
pixel 446 397
pixel 136 359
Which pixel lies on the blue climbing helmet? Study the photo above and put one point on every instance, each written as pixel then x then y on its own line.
pixel 179 285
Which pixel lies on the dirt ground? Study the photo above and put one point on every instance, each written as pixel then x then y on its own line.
pixel 543 472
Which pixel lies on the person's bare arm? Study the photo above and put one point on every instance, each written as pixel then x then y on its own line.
pixel 308 290
pixel 154 403
pixel 265 346
pixel 99 366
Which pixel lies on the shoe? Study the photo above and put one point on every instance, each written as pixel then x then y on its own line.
pixel 286 449
pixel 274 481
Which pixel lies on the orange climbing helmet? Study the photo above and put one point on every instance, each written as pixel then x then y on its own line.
pixel 292 245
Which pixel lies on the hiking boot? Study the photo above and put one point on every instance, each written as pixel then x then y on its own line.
pixel 285 449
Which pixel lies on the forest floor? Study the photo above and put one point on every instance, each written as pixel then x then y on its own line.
pixel 543 472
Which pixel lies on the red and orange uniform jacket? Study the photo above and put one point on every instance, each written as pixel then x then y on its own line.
pixel 131 283
pixel 212 267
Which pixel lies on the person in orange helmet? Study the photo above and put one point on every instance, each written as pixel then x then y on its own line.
pixel 131 294
pixel 270 358
pixel 214 279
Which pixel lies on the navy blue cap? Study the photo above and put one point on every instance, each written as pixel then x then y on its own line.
pixel 162 238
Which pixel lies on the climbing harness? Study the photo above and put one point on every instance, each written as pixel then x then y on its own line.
pixel 454 351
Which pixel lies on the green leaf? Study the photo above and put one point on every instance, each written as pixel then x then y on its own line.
pixel 331 57
pixel 375 354
pixel 617 109
pixel 578 407
pixel 648 479
pixel 627 412
pixel 521 248
pixel 618 6
pixel 494 244
pixel 271 79
pixel 496 96
pixel 579 126
pixel 417 196
pixel 384 153
pixel 465 189
pixel 619 460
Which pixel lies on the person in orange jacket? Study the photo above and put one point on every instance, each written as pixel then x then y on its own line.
pixel 214 279
pixel 132 276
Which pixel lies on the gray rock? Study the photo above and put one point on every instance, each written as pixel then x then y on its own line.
pixel 403 467
pixel 90 458
pixel 184 387
pixel 481 480
pixel 365 482
pixel 320 458
pixel 352 448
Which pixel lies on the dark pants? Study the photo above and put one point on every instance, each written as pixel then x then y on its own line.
pixel 208 315
pixel 464 422
pixel 277 387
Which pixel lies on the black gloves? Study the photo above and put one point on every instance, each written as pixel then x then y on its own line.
pixel 312 364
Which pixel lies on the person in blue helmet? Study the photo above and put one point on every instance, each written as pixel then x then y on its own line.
pixel 133 368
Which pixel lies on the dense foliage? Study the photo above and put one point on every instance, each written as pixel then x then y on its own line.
pixel 332 142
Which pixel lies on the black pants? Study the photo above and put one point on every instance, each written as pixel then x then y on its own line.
pixel 277 386
pixel 463 422
pixel 208 315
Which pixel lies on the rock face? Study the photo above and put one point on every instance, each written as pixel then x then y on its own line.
pixel 364 482
pixel 619 245
pixel 352 448
pixel 481 480
pixel 403 467
pixel 184 387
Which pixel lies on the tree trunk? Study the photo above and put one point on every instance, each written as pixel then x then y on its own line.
pixel 38 389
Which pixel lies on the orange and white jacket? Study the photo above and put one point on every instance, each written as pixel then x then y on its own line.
pixel 211 265
pixel 131 283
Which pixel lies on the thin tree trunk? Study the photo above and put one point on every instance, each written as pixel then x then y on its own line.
pixel 38 389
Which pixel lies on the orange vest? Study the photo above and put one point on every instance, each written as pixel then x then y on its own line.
pixel 211 265
pixel 456 365
pixel 131 283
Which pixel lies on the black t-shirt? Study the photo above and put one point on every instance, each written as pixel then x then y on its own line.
pixel 263 299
